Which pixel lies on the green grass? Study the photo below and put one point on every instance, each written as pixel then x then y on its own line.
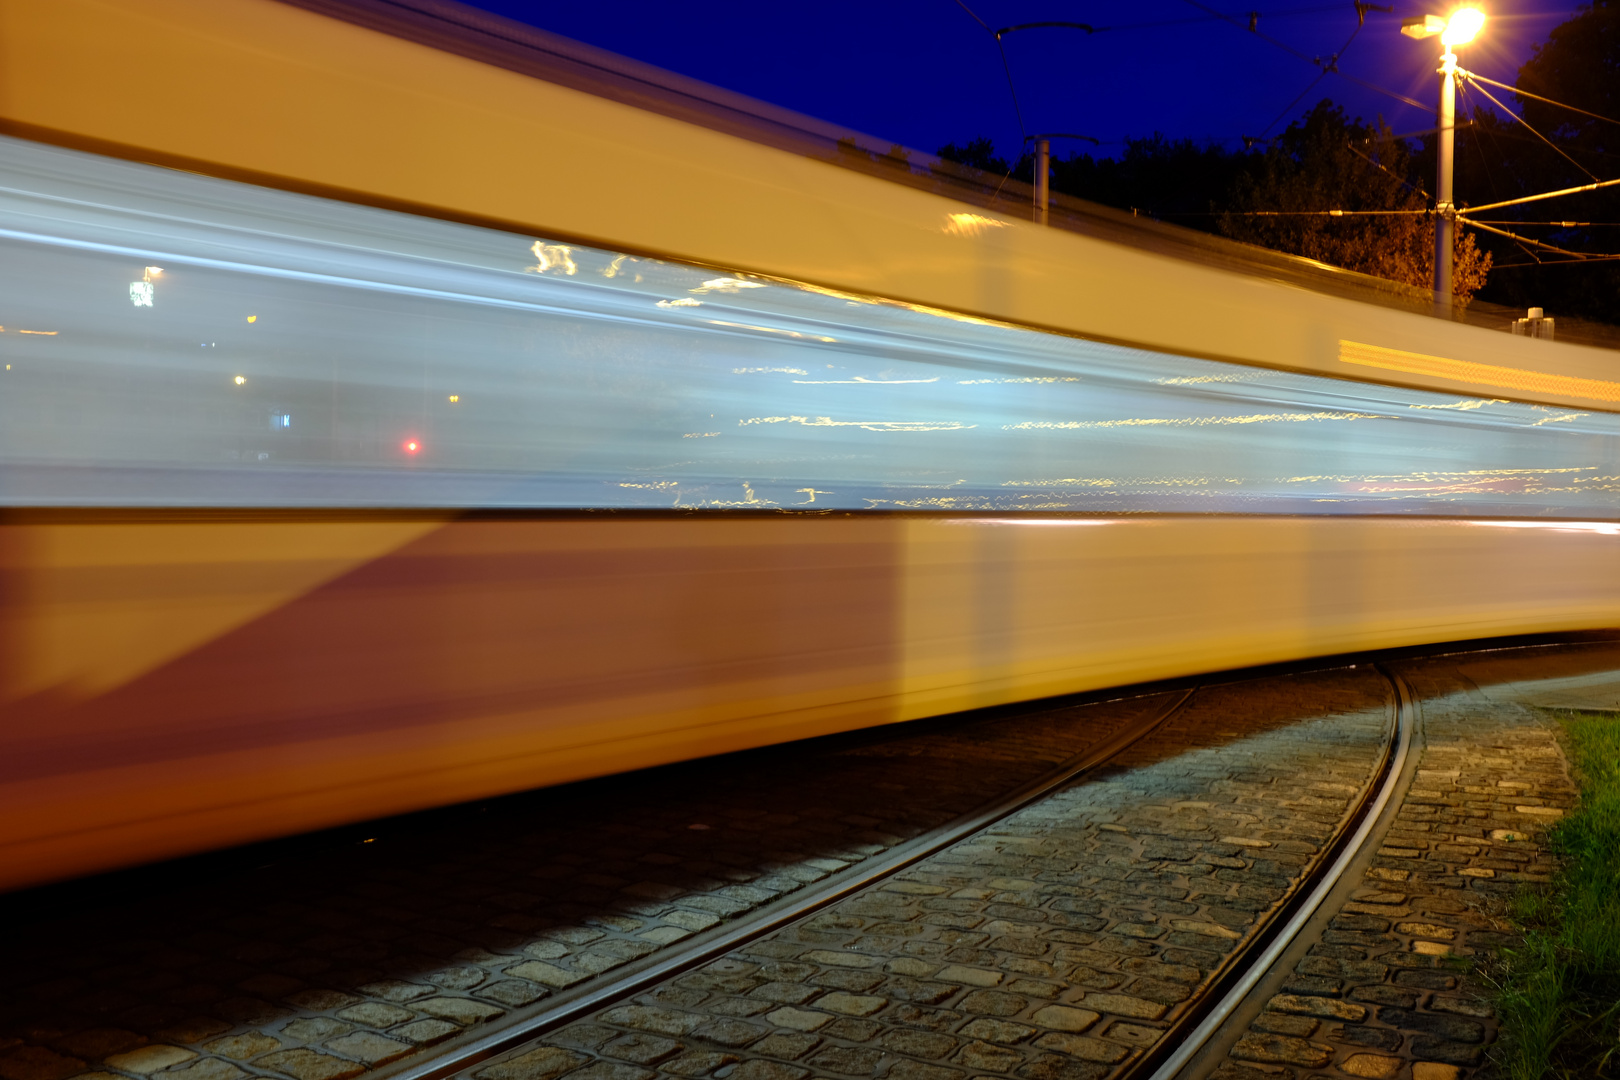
pixel 1559 991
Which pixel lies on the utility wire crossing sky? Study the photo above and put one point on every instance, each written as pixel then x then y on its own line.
pixel 923 73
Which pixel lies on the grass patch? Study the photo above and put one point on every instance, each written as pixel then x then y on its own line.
pixel 1559 991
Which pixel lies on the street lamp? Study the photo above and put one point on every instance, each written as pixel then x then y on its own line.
pixel 1461 27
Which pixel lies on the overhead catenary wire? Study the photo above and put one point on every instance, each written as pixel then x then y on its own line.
pixel 1332 65
pixel 1018 113
pixel 1580 255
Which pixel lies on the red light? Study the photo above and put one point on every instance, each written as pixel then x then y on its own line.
pixel 412 446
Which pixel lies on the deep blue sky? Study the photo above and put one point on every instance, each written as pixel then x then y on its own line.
pixel 922 73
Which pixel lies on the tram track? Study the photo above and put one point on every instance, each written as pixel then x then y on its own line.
pixel 1155 757
pixel 565 1008
pixel 1176 1053
pixel 1181 1053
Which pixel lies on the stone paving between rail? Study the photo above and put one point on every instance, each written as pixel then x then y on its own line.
pixel 341 959
pixel 1053 946
pixel 1389 992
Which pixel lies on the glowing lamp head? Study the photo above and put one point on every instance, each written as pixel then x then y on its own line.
pixel 240 380
pixel 1463 26
pixel 412 446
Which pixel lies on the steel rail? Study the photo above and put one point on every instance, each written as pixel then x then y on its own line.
pixel 567 1007
pixel 1248 965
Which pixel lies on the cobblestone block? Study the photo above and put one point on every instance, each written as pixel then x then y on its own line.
pixel 904 1069
pixel 642 1049
pixel 798 1019
pixel 546 1063
pixel 1434 890
pixel 425 1032
pixel 1124 1005
pixel 651 1018
pixel 1301 1027
pixel 370 1048
pixel 851 1061
pixel 850 1004
pixel 246 1045
pixel 150 1059
pixel 607 1070
pixel 731 1034
pixel 208 1068
pixel 1282 1049
pixel 310 1065
pixel 692 1064
pixel 983 1057
pixel 1373 1066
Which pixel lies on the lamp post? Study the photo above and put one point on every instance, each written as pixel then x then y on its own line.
pixel 1460 28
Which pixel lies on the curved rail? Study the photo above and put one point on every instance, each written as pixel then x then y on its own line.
pixel 1231 987
pixel 1165 1060
pixel 566 1007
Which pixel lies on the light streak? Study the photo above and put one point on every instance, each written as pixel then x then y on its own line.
pixel 1192 421
pixel 868 425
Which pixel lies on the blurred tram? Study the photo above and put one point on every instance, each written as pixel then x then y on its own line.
pixel 402 406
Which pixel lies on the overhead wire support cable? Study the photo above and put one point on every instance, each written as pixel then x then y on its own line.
pixel 1384 168
pixel 1544 195
pixel 1538 97
pixel 1469 76
pixel 1416 104
pixel 1327 213
pixel 1018 112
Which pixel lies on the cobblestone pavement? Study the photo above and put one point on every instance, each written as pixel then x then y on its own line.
pixel 1387 992
pixel 1055 945
pixel 341 958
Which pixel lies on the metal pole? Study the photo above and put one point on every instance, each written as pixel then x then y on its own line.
pixel 1043 170
pixel 1445 213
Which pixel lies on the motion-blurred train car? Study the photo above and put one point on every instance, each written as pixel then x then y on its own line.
pixel 402 406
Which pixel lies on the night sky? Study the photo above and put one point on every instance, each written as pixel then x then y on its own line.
pixel 923 73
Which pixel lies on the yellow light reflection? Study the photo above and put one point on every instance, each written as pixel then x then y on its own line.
pixel 552 257
pixel 453 398
pixel 685 301
pixel 970 224
pixel 1464 406
pixel 240 380
pixel 1199 379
